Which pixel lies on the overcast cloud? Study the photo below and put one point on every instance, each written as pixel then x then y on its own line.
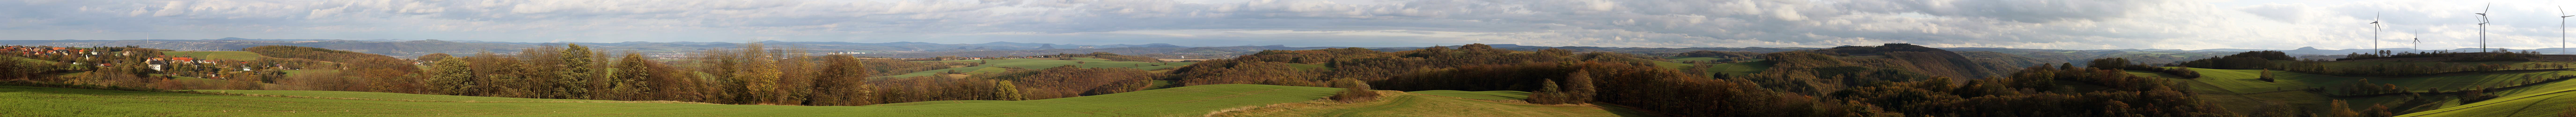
pixel 2045 24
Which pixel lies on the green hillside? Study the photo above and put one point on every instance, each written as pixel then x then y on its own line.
pixel 1183 101
pixel 2241 91
pixel 2245 81
pixel 2553 103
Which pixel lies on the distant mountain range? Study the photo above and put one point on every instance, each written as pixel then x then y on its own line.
pixel 393 47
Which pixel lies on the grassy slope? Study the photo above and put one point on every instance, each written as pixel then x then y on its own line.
pixel 2244 81
pixel 2243 93
pixel 1399 104
pixel 1004 65
pixel 1184 101
pixel 2541 105
pixel 226 55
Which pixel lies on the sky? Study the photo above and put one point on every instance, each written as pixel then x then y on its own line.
pixel 2038 24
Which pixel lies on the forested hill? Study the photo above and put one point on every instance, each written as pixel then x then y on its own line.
pixel 1932 61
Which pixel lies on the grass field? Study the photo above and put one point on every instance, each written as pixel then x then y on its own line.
pixel 938 102
pixel 2245 81
pixel 1004 65
pixel 2510 65
pixel 2540 105
pixel 1398 104
pixel 2239 90
pixel 225 55
pixel 1183 101
pixel 1482 95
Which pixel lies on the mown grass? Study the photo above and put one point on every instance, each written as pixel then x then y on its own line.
pixel 1183 101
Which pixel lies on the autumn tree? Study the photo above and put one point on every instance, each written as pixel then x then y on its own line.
pixel 2338 108
pixel 842 81
pixel 1578 87
pixel 758 76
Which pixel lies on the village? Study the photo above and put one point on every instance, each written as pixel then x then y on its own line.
pixel 166 65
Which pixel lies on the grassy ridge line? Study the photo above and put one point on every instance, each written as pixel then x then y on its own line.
pixel 1183 101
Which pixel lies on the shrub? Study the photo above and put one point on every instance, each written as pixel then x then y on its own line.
pixel 1352 91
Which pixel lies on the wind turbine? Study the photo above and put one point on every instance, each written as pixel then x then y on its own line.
pixel 2562 30
pixel 2419 41
pixel 2374 34
pixel 2482 27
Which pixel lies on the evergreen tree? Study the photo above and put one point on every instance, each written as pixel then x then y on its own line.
pixel 453 76
pixel 574 78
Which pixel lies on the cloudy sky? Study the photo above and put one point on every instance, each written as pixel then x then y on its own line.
pixel 2046 24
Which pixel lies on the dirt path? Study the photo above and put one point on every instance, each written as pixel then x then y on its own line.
pixel 1399 101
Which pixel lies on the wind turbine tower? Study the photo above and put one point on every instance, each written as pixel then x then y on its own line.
pixel 2482 27
pixel 2374 34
